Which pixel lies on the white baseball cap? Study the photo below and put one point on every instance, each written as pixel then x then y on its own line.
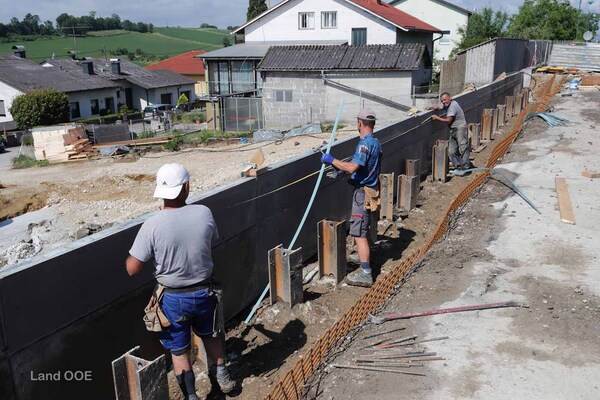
pixel 170 178
pixel 367 114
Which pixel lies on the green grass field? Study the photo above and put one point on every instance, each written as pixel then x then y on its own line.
pixel 165 42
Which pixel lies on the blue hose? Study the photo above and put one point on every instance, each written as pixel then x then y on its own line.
pixel 310 203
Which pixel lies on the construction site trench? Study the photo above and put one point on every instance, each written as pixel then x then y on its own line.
pixel 107 298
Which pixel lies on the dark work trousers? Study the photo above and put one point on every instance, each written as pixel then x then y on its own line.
pixel 458 148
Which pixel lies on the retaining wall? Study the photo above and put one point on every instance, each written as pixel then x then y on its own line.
pixel 76 309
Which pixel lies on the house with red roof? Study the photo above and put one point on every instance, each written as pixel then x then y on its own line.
pixel 234 72
pixel 356 22
pixel 187 65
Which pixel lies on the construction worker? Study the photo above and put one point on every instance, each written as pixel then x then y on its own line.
pixel 179 239
pixel 364 166
pixel 458 148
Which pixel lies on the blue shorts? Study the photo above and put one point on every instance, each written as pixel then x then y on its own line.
pixel 185 311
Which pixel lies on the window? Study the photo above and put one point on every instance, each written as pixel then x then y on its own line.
pixel 74 110
pixel 2 109
pixel 329 19
pixel 283 95
pixel 359 36
pixel 445 39
pixel 306 20
pixel 166 98
pixel 95 106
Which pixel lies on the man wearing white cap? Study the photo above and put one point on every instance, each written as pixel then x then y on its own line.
pixel 365 167
pixel 179 239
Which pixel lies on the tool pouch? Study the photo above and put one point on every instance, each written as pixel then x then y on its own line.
pixel 372 199
pixel 154 318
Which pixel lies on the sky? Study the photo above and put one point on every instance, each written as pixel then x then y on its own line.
pixel 184 13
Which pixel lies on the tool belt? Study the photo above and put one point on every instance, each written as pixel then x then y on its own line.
pixel 372 199
pixel 205 284
pixel 154 318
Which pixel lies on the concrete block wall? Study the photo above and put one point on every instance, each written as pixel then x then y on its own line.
pixel 307 105
pixel 76 309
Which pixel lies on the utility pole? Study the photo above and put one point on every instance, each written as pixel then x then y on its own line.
pixel 577 25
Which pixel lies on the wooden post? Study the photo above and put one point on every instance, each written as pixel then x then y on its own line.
pixel 486 125
pixel 139 379
pixel 332 249
pixel 408 191
pixel 285 276
pixel 386 191
pixel 475 135
pixel 440 161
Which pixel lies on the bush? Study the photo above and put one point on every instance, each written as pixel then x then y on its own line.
pixel 173 144
pixel 21 162
pixel 40 107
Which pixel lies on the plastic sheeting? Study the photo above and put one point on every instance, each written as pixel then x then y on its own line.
pixel 266 135
pixel 114 151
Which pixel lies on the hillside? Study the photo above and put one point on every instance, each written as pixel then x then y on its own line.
pixel 163 43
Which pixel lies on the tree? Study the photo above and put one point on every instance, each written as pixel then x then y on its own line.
pixel 40 107
pixel 549 19
pixel 482 26
pixel 183 99
pixel 255 8
pixel 226 42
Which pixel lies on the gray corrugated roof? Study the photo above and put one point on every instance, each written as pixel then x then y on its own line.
pixel 130 72
pixel 447 3
pixel 256 50
pixel 316 58
pixel 26 76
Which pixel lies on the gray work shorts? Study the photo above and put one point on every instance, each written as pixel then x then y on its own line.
pixel 360 218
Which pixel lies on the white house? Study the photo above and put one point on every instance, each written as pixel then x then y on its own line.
pixel 357 22
pixel 136 87
pixel 440 13
pixel 19 75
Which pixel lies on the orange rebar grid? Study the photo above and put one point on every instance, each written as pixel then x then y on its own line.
pixel 291 385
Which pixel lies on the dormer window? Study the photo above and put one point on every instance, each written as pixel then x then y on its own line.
pixel 306 20
pixel 329 20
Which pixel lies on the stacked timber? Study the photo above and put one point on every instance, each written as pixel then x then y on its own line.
pixel 62 143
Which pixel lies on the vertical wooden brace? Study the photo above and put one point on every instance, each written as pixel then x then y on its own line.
pixel 510 104
pixel 332 249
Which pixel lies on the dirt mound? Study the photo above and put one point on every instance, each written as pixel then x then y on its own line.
pixel 15 202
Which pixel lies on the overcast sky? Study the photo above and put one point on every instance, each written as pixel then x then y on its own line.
pixel 185 13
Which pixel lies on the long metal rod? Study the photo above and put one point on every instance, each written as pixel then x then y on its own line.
pixel 392 317
pixel 376 369
pixel 310 203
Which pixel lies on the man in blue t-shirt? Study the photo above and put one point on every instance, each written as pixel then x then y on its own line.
pixel 364 167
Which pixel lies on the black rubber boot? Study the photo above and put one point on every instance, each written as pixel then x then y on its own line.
pixel 187 384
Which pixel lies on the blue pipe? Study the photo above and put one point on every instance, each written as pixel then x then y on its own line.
pixel 310 203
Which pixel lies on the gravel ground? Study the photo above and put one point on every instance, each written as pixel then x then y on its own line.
pixel 500 249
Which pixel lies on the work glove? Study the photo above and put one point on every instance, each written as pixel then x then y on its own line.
pixel 327 159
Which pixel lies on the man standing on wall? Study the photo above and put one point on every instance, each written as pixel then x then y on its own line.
pixel 458 148
pixel 364 167
pixel 179 240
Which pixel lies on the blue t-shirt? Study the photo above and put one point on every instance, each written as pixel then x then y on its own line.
pixel 368 157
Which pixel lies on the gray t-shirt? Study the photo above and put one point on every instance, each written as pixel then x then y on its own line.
pixel 180 242
pixel 455 111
